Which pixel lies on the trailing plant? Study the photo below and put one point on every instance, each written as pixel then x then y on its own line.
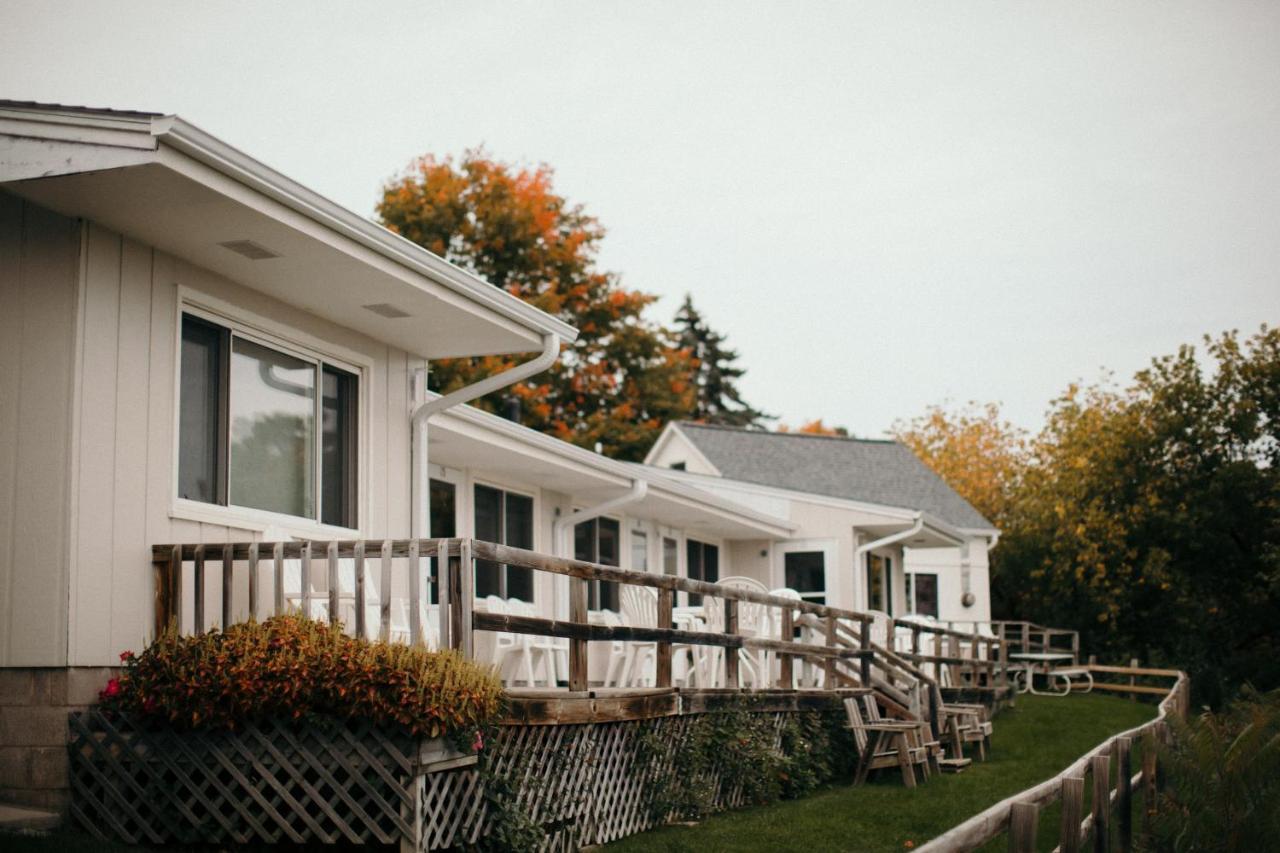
pixel 1221 777
pixel 291 667
pixel 742 750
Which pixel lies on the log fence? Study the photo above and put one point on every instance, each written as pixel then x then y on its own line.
pixel 1110 812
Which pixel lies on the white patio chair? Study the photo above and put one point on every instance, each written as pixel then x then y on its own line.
pixel 615 672
pixel 518 646
pixel 799 669
pixel 753 621
pixel 548 650
pixel 639 610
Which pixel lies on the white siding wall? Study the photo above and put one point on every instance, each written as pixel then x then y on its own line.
pixel 77 576
pixel 39 258
pixel 946 564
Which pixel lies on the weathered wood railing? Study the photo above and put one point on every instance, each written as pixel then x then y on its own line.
pixel 1019 815
pixel 253 578
pixel 984 665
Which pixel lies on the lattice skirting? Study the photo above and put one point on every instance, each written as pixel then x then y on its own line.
pixel 350 782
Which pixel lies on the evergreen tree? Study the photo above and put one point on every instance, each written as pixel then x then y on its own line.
pixel 718 399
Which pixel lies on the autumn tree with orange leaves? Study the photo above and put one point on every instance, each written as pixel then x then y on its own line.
pixel 624 377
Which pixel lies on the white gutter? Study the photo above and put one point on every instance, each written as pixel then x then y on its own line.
pixel 890 539
pixel 421 479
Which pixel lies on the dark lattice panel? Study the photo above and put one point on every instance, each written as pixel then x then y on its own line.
pixel 272 782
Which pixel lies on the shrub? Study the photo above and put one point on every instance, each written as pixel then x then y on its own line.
pixel 292 667
pixel 1222 780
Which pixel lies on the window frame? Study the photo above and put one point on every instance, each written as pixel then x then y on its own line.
pixel 469 514
pixel 292 342
pixel 828 548
pixel 596 588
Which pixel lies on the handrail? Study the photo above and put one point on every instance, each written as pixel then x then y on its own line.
pixel 991 822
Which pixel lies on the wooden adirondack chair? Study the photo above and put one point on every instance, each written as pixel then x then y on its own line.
pixel 960 723
pixel 883 744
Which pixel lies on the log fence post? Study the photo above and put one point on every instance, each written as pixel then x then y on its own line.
pixel 1072 813
pixel 335 583
pixel 1124 793
pixel 1150 751
pixel 467 596
pixel 1024 820
pixel 578 648
pixel 1101 769
pixel 786 663
pixel 228 583
pixel 197 592
pixel 415 592
pixel 865 660
pixel 731 656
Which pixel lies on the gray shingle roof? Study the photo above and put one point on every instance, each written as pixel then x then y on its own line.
pixel 858 469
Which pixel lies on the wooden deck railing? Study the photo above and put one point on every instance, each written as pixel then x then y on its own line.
pixel 198 586
pixel 1030 637
pixel 985 665
pixel 1019 815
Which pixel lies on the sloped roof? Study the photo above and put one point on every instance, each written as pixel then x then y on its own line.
pixel 857 469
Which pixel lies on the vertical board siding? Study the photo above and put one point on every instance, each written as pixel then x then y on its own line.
pixel 39 257
pixel 125 441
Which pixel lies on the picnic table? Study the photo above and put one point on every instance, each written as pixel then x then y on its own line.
pixel 1046 660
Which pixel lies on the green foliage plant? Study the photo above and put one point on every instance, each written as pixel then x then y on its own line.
pixel 289 667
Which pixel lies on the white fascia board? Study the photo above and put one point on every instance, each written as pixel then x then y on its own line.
pixel 205 148
pixel 149 132
pixel 626 472
pixel 895 512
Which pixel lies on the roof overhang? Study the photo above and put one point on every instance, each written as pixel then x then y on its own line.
pixel 162 181
pixel 493 447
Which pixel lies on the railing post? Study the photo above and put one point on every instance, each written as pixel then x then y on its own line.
pixel 830 675
pixel 662 675
pixel 305 580
pixel 1024 820
pixel 1075 648
pixel 335 583
pixel 465 638
pixel 357 559
pixel 415 593
pixel 197 592
pixel 1072 813
pixel 1026 638
pixel 1124 793
pixel 384 596
pixel 1101 767
pixel 228 579
pixel 253 580
pixel 865 659
pixel 786 663
pixel 578 648
pixel 731 653
pixel 277 594
pixel 1133 664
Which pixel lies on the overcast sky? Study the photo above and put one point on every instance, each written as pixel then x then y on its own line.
pixel 882 205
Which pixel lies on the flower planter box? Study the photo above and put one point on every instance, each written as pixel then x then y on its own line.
pixel 306 782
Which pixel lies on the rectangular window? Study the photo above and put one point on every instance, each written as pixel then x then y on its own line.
pixel 598 541
pixel 262 428
pixel 924 594
pixel 806 573
pixel 507 519
pixel 703 564
pixel 879 588
pixel 444 524
pixel 639 551
pixel 670 556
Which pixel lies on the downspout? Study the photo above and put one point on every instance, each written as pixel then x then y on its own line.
pixel 560 541
pixel 421 477
pixel 563 527
pixel 880 543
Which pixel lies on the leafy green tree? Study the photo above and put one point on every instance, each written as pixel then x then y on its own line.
pixel 718 400
pixel 1149 517
pixel 624 377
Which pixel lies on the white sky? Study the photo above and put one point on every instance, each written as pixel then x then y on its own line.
pixel 882 205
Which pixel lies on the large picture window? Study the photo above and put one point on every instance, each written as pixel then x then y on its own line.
pixel 265 428
pixel 703 564
pixel 599 541
pixel 505 518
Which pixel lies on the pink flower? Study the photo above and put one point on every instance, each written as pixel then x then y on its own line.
pixel 111 690
pixel 125 657
pixel 478 743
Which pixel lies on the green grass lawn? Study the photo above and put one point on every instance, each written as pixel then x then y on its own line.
pixel 1031 743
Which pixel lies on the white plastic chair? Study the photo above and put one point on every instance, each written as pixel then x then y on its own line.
pixel 799 670
pixel 753 621
pixel 548 649
pixel 639 610
pixel 520 646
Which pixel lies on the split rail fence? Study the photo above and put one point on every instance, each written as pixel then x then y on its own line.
pixel 1111 802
